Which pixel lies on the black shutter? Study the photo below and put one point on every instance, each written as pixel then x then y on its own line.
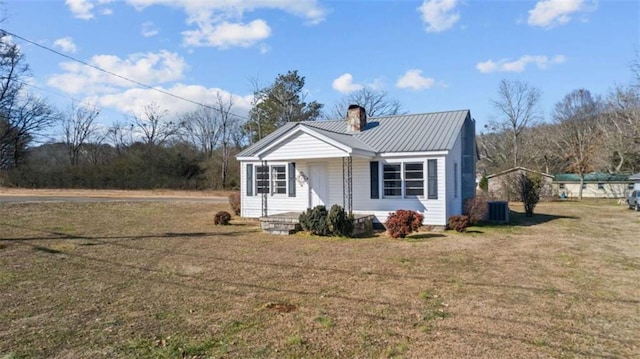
pixel 292 179
pixel 375 187
pixel 249 180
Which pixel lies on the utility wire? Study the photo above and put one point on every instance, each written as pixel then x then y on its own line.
pixel 4 32
pixel 77 100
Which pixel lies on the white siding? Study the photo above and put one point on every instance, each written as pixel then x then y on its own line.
pixel 276 203
pixel 433 209
pixel 610 190
pixel 302 145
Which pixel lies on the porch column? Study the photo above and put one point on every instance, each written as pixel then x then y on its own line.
pixel 347 184
pixel 265 196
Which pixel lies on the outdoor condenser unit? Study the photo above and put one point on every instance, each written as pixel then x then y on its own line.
pixel 498 211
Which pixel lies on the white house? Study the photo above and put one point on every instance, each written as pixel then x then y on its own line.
pixel 422 162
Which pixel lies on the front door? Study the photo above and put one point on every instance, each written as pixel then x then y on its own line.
pixel 317 184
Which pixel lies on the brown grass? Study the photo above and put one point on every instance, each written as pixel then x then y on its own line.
pixel 132 279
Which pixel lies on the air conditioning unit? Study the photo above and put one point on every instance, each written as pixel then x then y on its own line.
pixel 498 211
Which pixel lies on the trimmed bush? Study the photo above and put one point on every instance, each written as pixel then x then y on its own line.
pixel 234 201
pixel 314 221
pixel 403 222
pixel 476 208
pixel 459 223
pixel 222 218
pixel 530 192
pixel 339 222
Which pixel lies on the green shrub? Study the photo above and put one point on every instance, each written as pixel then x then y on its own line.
pixel 234 201
pixel 530 192
pixel 403 222
pixel 484 183
pixel 459 223
pixel 314 221
pixel 339 222
pixel 222 217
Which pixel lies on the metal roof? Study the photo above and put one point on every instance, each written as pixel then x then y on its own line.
pixel 635 177
pixel 591 177
pixel 435 131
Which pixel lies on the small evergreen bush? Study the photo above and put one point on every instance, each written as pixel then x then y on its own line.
pixel 234 201
pixel 476 208
pixel 314 220
pixel 339 222
pixel 530 191
pixel 459 223
pixel 402 222
pixel 484 183
pixel 222 217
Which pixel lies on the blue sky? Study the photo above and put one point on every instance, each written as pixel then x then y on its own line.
pixel 434 55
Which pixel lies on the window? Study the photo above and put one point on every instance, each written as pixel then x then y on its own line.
pixel 414 179
pixel 630 186
pixel 262 179
pixel 584 186
pixel 455 180
pixel 561 185
pixel 392 181
pixel 432 178
pixel 279 179
pixel 600 185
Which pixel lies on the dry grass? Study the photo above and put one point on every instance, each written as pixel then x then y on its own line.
pixel 104 280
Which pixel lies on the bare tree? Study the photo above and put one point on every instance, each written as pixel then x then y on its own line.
pixel 376 103
pixel 27 119
pixel 155 129
pixel 620 127
pixel 578 138
pixel 78 126
pixel 517 105
pixel 202 129
pixel 23 117
pixel 119 134
pixel 228 126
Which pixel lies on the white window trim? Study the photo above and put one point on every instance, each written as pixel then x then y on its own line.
pixel 403 179
pixel 271 179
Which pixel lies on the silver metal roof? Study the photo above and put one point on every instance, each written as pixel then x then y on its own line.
pixel 400 133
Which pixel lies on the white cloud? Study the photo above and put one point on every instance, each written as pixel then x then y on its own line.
pixel 519 65
pixel 439 15
pixel 550 13
pixel 148 68
pixel 82 9
pixel 264 48
pixel 344 84
pixel 133 100
pixel 66 44
pixel 149 29
pixel 221 23
pixel 413 79
pixel 225 35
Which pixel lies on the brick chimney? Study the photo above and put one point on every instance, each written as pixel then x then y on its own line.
pixel 356 118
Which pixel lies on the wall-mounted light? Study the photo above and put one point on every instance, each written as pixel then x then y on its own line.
pixel 302 178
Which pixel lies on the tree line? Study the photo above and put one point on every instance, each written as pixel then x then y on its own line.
pixel 156 148
pixel 585 132
pixel 153 148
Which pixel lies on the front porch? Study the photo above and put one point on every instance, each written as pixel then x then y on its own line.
pixel 289 223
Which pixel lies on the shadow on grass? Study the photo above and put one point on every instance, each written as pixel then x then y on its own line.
pixel 423 236
pixel 520 219
pixel 55 235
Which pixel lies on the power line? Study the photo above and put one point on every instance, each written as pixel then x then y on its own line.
pixel 77 100
pixel 4 32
